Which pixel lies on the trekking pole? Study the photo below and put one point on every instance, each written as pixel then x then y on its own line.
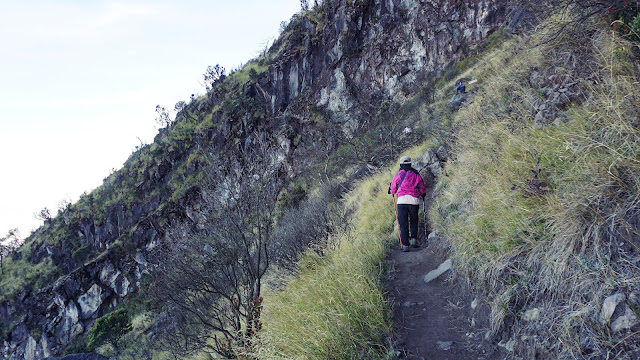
pixel 424 213
pixel 395 208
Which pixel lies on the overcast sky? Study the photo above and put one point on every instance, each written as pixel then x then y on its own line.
pixel 79 82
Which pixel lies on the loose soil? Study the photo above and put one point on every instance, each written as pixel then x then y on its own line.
pixel 435 320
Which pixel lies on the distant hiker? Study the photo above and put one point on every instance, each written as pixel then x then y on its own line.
pixel 381 135
pixel 408 185
pixel 461 89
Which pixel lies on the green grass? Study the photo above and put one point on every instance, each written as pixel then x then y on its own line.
pixel 18 273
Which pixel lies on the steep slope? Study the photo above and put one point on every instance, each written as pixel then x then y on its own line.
pixel 327 82
pixel 540 201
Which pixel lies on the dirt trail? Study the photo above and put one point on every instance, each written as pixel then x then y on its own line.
pixel 435 320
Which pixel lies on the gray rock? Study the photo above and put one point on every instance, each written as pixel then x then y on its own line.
pixel 90 302
pixel 626 321
pixel 69 326
pixel 531 314
pixel 444 345
pixel 115 280
pixel 435 168
pixel 609 306
pixel 444 267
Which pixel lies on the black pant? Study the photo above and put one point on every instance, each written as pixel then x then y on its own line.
pixel 408 219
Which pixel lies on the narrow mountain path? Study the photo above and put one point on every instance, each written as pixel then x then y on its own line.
pixel 437 320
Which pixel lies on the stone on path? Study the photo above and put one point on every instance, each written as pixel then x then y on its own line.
pixel 445 345
pixel 444 267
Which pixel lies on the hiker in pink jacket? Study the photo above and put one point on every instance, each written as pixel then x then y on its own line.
pixel 409 187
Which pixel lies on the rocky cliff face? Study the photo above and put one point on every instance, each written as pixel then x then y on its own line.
pixel 343 59
pixel 360 54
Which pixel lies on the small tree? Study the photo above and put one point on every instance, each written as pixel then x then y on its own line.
pixel 110 329
pixel 213 75
pixel 180 105
pixel 164 117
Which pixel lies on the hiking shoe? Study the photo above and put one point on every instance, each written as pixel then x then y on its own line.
pixel 413 243
pixel 405 248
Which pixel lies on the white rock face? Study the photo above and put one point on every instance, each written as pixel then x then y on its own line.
pixel 115 280
pixel 90 302
pixel 69 326
pixel 30 349
pixel 293 81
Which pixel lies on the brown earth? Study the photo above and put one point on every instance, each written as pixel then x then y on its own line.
pixel 435 320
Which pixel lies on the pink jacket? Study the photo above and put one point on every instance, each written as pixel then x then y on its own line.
pixel 411 185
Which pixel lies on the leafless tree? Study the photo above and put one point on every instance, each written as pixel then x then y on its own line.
pixel 43 215
pixel 213 75
pixel 180 105
pixel 64 205
pixel 211 268
pixel 164 117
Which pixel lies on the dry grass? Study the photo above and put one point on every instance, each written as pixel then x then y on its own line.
pixel 562 248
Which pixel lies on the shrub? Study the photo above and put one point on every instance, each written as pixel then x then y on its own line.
pixel 110 329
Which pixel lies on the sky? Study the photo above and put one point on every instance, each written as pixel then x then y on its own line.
pixel 80 80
